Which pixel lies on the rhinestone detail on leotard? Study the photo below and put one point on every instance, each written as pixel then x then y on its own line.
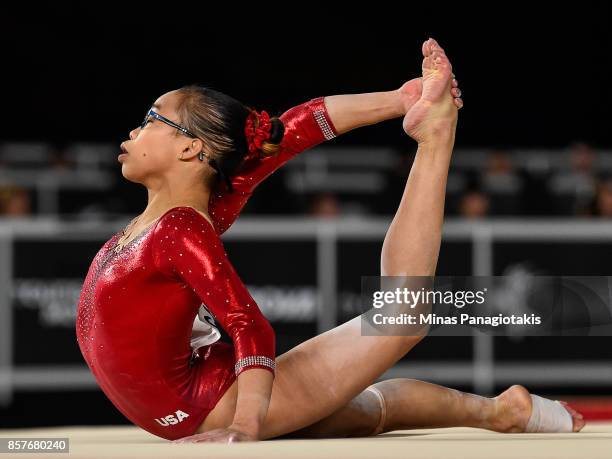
pixel 254 360
pixel 323 124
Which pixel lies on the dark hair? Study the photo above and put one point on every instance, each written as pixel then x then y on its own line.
pixel 219 120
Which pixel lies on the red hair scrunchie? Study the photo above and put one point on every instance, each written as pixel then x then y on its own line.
pixel 257 130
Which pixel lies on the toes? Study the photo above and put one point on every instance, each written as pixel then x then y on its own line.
pixel 577 414
pixel 435 48
pixel 441 60
pixel 425 48
pixel 436 45
pixel 577 419
pixel 579 423
pixel 454 83
pixel 428 47
pixel 571 410
pixel 456 92
pixel 437 58
pixel 458 102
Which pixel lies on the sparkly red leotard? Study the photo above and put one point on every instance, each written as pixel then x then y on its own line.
pixel 137 305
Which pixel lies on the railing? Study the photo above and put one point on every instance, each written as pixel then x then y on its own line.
pixel 482 372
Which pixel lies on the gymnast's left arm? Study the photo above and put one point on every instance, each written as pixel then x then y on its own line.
pixel 351 111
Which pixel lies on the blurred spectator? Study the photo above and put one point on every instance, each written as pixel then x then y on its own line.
pixel 474 204
pixel 502 184
pixel 535 198
pixel 603 199
pixel 325 205
pixel 58 159
pixel 576 188
pixel 15 201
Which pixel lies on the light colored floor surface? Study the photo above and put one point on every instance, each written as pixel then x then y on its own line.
pixel 594 441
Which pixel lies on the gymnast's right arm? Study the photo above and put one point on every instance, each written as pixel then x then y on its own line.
pixel 187 248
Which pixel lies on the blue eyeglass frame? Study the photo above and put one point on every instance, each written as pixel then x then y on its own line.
pixel 168 122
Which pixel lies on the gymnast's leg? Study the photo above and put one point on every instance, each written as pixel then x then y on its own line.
pixel 324 387
pixel 401 403
pixel 325 373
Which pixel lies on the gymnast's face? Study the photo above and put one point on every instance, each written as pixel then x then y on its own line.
pixel 155 147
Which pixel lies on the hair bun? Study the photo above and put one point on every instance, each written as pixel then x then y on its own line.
pixel 263 134
pixel 272 145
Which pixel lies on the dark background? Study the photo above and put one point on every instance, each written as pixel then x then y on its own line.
pixel 533 75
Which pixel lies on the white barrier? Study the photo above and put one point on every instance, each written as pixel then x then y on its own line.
pixel 483 373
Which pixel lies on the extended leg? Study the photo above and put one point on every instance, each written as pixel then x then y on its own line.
pixel 400 403
pixel 323 374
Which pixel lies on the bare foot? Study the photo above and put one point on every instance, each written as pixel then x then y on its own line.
pixel 513 411
pixel 455 91
pixel 437 104
pixel 410 92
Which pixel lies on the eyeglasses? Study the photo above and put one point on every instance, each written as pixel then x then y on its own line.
pixel 175 126
pixel 168 122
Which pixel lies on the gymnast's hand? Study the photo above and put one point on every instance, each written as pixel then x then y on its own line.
pixel 229 434
pixel 436 110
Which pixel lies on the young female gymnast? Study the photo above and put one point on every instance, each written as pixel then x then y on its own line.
pixel 144 287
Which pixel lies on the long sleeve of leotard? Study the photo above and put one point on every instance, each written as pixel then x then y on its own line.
pixel 187 248
pixel 306 125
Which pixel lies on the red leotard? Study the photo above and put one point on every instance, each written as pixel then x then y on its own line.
pixel 138 303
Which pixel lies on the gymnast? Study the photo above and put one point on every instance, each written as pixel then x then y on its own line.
pixel 156 291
